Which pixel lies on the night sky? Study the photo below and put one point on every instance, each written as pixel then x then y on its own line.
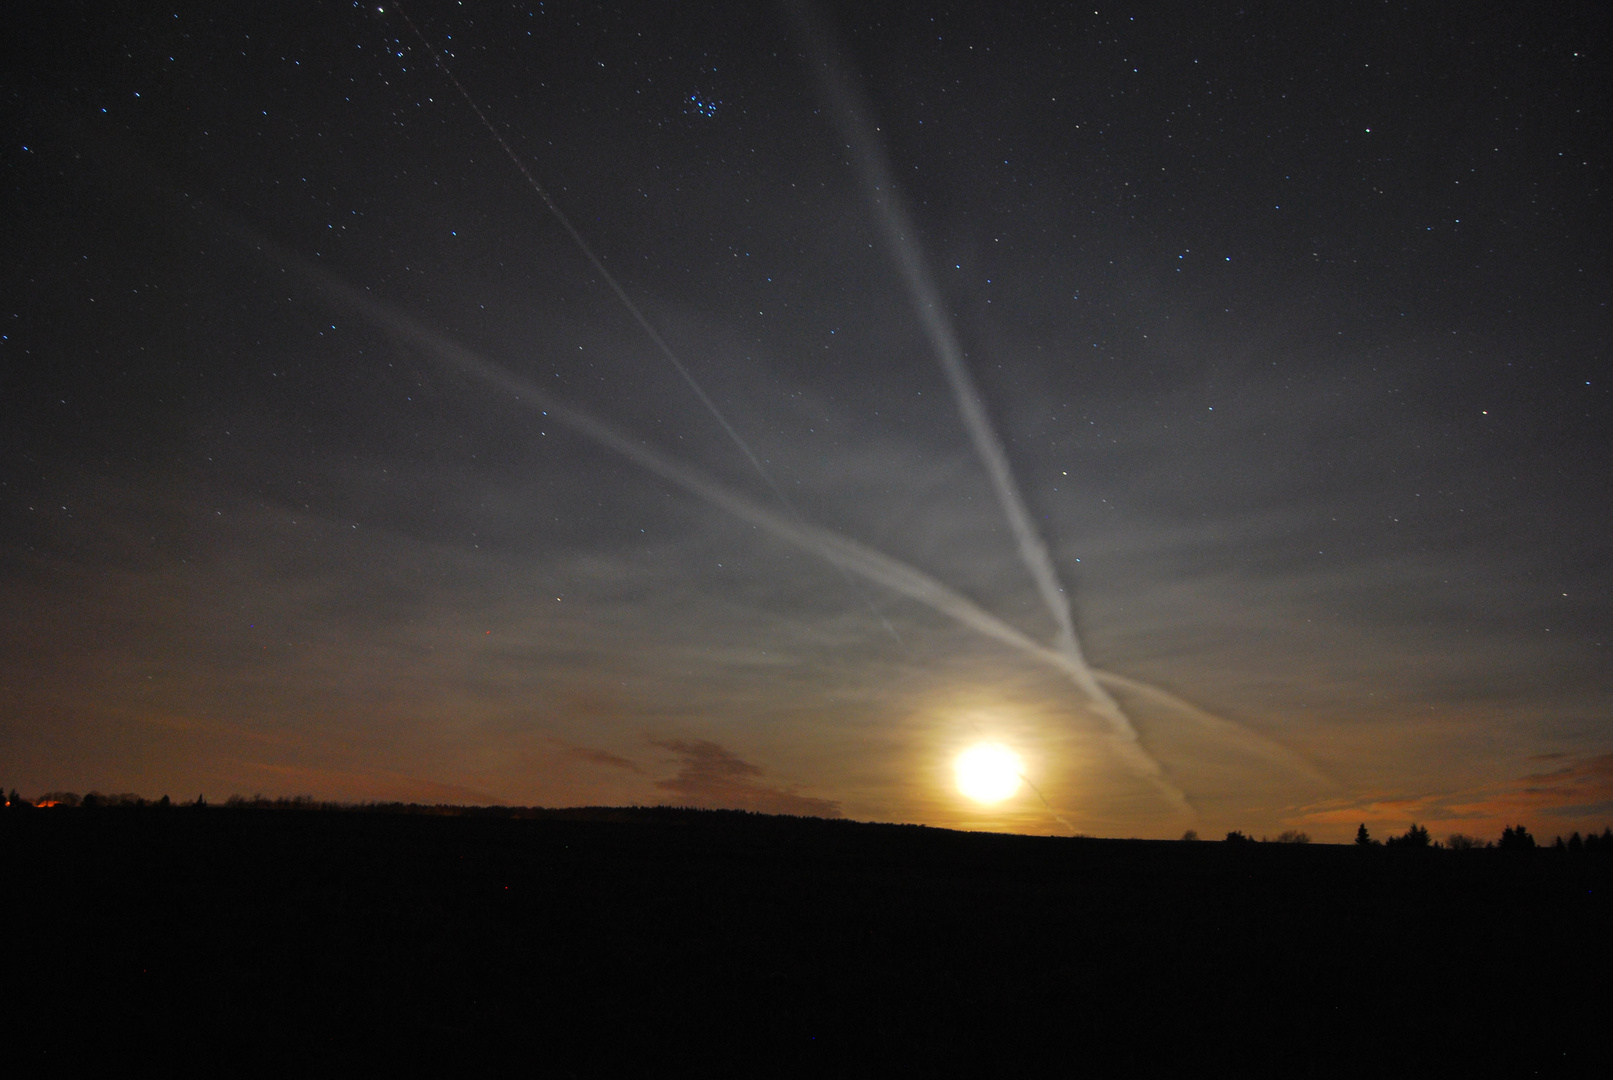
pixel 331 464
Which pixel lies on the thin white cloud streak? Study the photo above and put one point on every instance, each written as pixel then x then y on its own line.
pixel 639 317
pixel 1257 745
pixel 839 550
pixel 898 231
pixel 853 117
pixel 587 250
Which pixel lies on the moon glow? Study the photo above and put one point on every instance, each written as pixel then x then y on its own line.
pixel 989 772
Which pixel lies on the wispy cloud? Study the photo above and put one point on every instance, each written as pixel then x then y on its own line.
pixel 1583 789
pixel 712 775
pixel 595 756
pixel 1577 796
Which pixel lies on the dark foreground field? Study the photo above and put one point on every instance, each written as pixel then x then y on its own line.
pixel 663 942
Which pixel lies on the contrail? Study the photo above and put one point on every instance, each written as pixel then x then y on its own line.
pixel 839 550
pixel 1272 751
pixel 926 300
pixel 621 293
pixel 842 551
pixel 1058 817
pixel 588 252
pixel 853 114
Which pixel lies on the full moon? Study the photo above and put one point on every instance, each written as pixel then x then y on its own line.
pixel 989 772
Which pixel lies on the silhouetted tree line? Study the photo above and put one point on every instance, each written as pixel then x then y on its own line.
pixel 96 800
pixel 1590 842
pixel 1414 837
pixel 1289 836
pixel 1513 838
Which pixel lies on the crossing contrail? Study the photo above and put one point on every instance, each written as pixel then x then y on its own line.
pixel 853 117
pixel 847 555
pixel 587 250
pixel 926 299
pixel 633 309
pixel 1273 752
pixel 842 551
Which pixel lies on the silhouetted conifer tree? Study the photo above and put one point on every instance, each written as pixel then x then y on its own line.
pixel 1516 838
pixel 1362 837
pixel 1416 837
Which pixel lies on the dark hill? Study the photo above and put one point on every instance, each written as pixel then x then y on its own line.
pixel 641 942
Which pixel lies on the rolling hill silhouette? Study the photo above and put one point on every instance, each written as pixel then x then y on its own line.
pixel 661 941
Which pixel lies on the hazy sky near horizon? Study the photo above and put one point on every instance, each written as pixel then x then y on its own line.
pixel 1293 324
